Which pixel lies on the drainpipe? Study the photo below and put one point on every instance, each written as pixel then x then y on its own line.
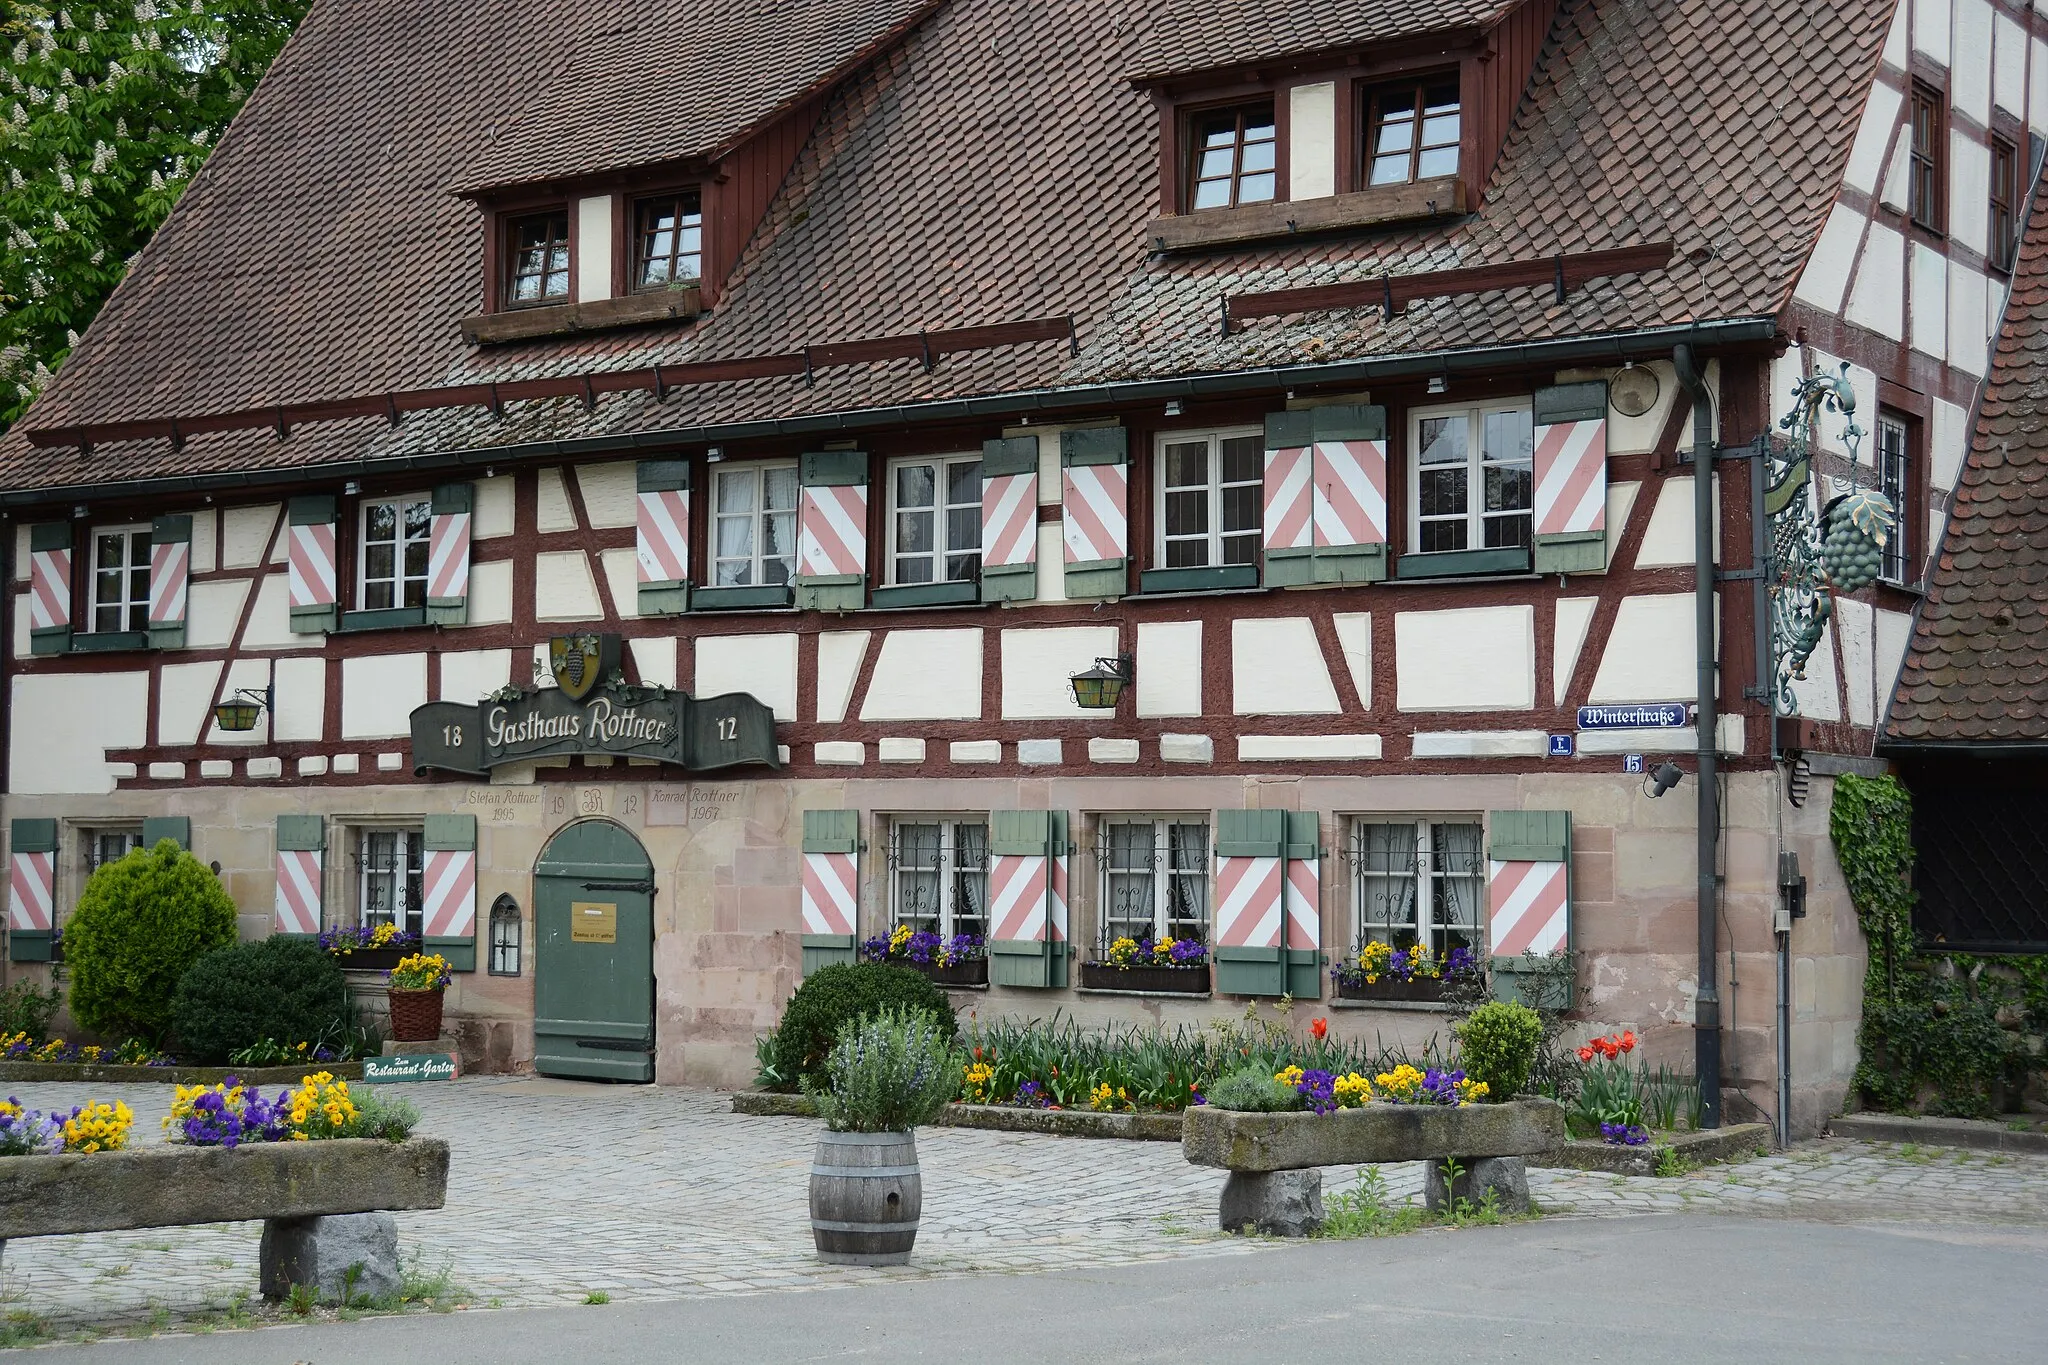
pixel 1707 1009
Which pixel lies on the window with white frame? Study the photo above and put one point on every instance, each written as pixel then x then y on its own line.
pixel 1155 879
pixel 754 535
pixel 1472 474
pixel 392 564
pixel 120 578
pixel 1210 498
pixel 935 519
pixel 938 875
pixel 102 845
pixel 1419 881
pixel 1894 480
pixel 388 863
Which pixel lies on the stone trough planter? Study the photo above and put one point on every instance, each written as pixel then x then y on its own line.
pixel 97 1074
pixel 1736 1142
pixel 1276 1188
pixel 323 1204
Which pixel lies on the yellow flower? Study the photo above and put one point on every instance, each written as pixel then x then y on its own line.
pixel 1290 1076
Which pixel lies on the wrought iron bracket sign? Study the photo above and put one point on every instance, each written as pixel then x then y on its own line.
pixel 616 719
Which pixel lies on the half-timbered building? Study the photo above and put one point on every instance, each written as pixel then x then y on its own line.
pixel 666 464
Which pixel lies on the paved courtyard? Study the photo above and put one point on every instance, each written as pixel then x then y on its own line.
pixel 558 1190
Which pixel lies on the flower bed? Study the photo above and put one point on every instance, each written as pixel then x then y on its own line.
pixel 927 952
pixel 1379 1131
pixel 366 947
pixel 19 1047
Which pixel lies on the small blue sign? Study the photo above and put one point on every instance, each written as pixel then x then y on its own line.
pixel 1560 746
pixel 1656 715
pixel 1631 763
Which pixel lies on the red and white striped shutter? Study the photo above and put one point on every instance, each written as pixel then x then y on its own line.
pixel 1570 471
pixel 1009 520
pixel 1304 902
pixel 1289 497
pixel 1019 896
pixel 831 893
pixel 1058 902
pixel 1528 882
pixel 1250 892
pixel 832 531
pixel 49 588
pixel 301 862
pixel 1092 504
pixel 448 893
pixel 448 556
pixel 661 536
pixel 32 877
pixel 1351 493
pixel 310 556
pixel 170 576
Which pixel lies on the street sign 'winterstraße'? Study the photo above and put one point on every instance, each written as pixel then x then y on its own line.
pixel 1656 715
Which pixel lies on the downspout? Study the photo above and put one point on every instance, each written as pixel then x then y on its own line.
pixel 1707 1007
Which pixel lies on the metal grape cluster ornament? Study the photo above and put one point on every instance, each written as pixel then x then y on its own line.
pixel 1813 558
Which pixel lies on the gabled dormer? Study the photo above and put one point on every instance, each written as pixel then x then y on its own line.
pixel 1275 122
pixel 622 192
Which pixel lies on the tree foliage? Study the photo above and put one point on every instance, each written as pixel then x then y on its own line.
pixel 108 110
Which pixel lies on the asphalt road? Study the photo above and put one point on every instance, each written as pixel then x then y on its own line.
pixel 1637 1290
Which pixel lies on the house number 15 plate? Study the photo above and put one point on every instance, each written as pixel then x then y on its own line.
pixel 593 922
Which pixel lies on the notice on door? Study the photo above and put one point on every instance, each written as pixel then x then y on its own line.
pixel 593 922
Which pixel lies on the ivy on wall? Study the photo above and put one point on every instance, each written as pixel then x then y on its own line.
pixel 1945 1033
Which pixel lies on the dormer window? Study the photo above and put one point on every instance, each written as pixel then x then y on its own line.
pixel 1233 157
pixel 1412 131
pixel 668 240
pixel 540 259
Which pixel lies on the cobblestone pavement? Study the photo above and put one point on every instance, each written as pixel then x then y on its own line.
pixel 559 1189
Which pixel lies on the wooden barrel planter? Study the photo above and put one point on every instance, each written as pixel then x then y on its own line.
pixel 415 1015
pixel 866 1196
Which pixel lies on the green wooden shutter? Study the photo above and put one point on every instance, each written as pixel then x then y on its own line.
pixel 1011 457
pixel 173 530
pixel 829 832
pixel 1100 570
pixel 1292 836
pixel 1036 963
pixel 1350 422
pixel 26 837
pixel 453 834
pixel 1573 549
pixel 51 537
pixel 316 509
pixel 1533 836
pixel 655 542
pixel 445 538
pixel 176 828
pixel 1287 566
pixel 844 590
pixel 302 833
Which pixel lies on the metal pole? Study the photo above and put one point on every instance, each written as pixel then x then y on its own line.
pixel 1707 1010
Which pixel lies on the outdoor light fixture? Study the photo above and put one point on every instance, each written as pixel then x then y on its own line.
pixel 1102 687
pixel 238 713
pixel 351 488
pixel 715 454
pixel 1173 407
pixel 1664 778
pixel 1437 384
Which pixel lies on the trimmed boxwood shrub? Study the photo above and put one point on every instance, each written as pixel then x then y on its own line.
pixel 284 989
pixel 141 922
pixel 828 998
pixel 1498 1043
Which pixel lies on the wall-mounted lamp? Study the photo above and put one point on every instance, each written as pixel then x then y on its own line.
pixel 1102 687
pixel 715 454
pixel 1437 384
pixel 351 488
pixel 81 510
pixel 1663 779
pixel 239 712
pixel 1173 407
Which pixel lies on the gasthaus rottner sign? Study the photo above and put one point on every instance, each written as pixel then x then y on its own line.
pixel 593 710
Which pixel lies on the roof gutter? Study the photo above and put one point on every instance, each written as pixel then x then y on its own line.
pixel 1610 348
pixel 1962 748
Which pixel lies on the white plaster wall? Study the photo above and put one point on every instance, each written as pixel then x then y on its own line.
pixel 1873 140
pixel 244 675
pixel 1634 435
pixel 473 674
pixel 270 623
pixel 622 577
pixel 1878 300
pixel 1930 29
pixel 1312 140
pixel 1468 659
pixel 212 611
pixel 1948 437
pixel 1898 37
pixel 2009 80
pixel 22 639
pixel 1277 669
pixel 1621 504
pixel 1930 301
pixel 61 725
pixel 1574 617
pixel 593 248
pixel 563 589
pixel 611 495
pixel 1894 629
pixel 1854 630
pixel 764 665
pixel 654 659
pixel 205 539
pixel 1169 668
pixel 1969 76
pixel 839 658
pixel 1968 340
pixel 21 553
pixel 1038 665
pixel 490 593
pixel 491 508
pixel 2037 81
pixel 555 514
pixel 926 675
pixel 301 699
pixel 1354 637
pixel 379 692
pixel 1817 694
pixel 184 696
pixel 1827 271
pixel 1892 194
pixel 1969 196
pixel 1649 654
pixel 245 534
pixel 1863 383
pixel 1668 539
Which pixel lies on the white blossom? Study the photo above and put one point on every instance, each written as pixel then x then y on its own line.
pixel 144 12
pixel 57 221
pixel 115 71
pixel 18 116
pixel 70 185
pixel 99 21
pixel 98 256
pixel 63 103
pixel 21 53
pixel 156 180
pixel 70 337
pixel 121 127
pixel 102 156
pixel 156 41
pixel 63 18
pixel 84 187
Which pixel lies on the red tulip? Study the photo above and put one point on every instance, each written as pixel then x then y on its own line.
pixel 1628 1040
pixel 1585 1054
pixel 1319 1029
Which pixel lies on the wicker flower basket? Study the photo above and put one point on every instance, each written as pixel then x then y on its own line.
pixel 415 1015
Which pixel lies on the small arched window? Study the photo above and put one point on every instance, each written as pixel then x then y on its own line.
pixel 505 937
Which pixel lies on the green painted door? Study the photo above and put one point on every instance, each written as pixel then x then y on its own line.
pixel 593 987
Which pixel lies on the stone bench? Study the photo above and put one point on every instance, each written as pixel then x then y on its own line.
pixel 1276 1188
pixel 325 1205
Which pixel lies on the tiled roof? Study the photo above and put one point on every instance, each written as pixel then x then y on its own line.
pixel 994 165
pixel 1976 671
pixel 676 80
pixel 1201 35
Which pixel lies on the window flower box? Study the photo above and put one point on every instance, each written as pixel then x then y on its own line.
pixel 1427 989
pixel 971 972
pixel 1106 976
